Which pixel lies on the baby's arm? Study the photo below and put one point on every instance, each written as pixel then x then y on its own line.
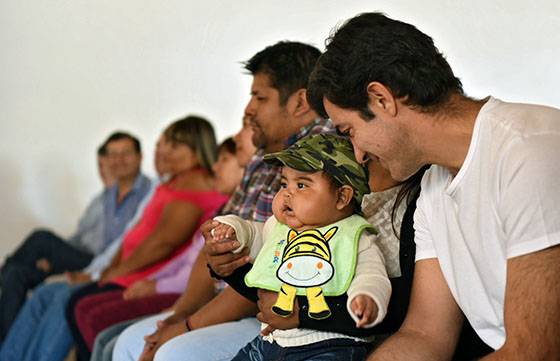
pixel 247 233
pixel 370 290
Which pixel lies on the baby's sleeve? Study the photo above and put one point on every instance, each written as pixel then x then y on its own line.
pixel 370 278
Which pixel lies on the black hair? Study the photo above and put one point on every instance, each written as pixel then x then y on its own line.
pixel 227 145
pixel 102 150
pixel 372 47
pixel 410 189
pixel 119 135
pixel 288 65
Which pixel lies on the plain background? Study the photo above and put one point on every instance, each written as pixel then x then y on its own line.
pixel 72 71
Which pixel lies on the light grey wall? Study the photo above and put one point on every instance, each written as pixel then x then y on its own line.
pixel 72 71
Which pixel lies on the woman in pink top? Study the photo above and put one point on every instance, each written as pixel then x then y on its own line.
pixel 169 221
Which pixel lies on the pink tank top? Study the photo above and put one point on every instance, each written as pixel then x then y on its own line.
pixel 208 201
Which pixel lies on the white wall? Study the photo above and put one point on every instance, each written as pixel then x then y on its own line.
pixel 71 71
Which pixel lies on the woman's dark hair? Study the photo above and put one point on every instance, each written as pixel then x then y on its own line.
pixel 227 145
pixel 372 47
pixel 288 65
pixel 410 189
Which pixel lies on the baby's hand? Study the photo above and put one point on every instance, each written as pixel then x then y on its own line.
pixel 223 231
pixel 365 308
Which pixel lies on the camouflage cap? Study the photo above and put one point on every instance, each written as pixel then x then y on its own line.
pixel 326 152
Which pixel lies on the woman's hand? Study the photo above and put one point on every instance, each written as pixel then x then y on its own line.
pixel 139 289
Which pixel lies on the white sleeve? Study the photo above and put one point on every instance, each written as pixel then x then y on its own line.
pixel 248 233
pixel 422 236
pixel 370 278
pixel 529 193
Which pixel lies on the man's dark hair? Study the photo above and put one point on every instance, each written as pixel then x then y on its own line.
pixel 372 47
pixel 288 65
pixel 119 135
pixel 102 150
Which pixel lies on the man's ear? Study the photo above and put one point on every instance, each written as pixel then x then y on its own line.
pixel 381 99
pixel 297 103
pixel 345 194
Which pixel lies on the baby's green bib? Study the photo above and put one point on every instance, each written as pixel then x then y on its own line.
pixel 324 257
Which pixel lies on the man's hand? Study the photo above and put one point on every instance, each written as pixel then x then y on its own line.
pixel 219 253
pixel 365 308
pixel 265 315
pixel 77 277
pixel 165 332
pixel 139 289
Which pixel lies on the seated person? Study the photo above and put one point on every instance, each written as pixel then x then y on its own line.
pixel 316 245
pixel 44 253
pixel 39 332
pixel 175 211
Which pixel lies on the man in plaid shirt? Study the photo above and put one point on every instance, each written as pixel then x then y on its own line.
pixel 279 116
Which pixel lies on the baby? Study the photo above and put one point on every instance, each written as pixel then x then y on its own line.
pixel 316 244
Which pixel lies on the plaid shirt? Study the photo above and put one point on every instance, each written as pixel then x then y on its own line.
pixel 252 199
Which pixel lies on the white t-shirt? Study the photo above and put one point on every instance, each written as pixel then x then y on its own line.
pixel 504 202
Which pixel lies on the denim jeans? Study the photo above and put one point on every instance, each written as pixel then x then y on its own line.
pixel 213 343
pixel 106 340
pixel 19 273
pixel 40 332
pixel 333 349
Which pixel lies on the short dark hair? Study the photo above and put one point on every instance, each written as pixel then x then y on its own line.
pixel 288 65
pixel 228 145
pixel 102 150
pixel 119 135
pixel 372 47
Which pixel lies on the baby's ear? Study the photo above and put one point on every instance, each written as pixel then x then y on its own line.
pixel 345 194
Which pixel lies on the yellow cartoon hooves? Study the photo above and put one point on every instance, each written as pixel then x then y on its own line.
pixel 319 315
pixel 281 312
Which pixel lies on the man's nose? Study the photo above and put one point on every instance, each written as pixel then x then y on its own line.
pixel 250 108
pixel 361 156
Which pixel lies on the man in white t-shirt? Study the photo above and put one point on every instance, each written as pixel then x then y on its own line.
pixel 487 225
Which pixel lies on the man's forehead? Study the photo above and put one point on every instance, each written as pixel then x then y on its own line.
pixel 262 81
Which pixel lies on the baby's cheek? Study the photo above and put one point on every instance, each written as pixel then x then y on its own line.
pixel 277 210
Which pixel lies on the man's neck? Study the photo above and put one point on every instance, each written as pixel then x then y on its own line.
pixel 296 124
pixel 447 134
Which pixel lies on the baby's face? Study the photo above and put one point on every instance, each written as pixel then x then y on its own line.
pixel 305 200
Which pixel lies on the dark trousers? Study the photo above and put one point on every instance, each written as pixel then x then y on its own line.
pixel 83 352
pixel 333 349
pixel 20 274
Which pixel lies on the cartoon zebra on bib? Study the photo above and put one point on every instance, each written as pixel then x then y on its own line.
pixel 306 263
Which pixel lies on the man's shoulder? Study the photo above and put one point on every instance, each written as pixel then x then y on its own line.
pixel 520 119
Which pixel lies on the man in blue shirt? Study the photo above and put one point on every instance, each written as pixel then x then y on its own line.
pixel 43 253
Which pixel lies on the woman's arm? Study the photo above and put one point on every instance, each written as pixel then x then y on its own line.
pixel 177 223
